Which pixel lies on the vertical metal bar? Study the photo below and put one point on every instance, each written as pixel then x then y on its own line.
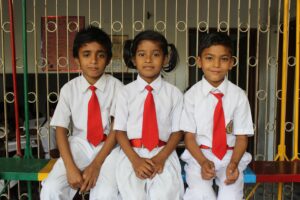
pixel 36 77
pixel 228 16
pixel 207 17
pixel 14 74
pixel 111 31
pixel 238 43
pixel 122 49
pixel 100 13
pixel 67 50
pixel 266 117
pixel 28 151
pixel 197 42
pixel 256 69
pixel 218 16
pixel 248 55
pixel 281 147
pixel 166 10
pixel 57 54
pixel 4 81
pixel 296 85
pixel 186 43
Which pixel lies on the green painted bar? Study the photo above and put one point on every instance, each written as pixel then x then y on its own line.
pixel 21 169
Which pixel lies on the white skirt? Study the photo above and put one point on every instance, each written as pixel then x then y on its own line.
pixel 200 189
pixel 165 186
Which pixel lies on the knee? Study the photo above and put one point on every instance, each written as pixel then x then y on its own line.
pixel 199 194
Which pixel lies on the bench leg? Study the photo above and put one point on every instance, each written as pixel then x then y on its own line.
pixel 252 191
pixel 29 190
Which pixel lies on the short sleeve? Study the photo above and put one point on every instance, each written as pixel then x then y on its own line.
pixel 177 110
pixel 187 120
pixel 242 119
pixel 62 114
pixel 121 111
pixel 117 88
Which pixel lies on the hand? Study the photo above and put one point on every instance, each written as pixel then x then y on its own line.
pixel 90 176
pixel 232 173
pixel 74 178
pixel 159 165
pixel 143 167
pixel 208 170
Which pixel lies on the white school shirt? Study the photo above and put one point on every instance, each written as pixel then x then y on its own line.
pixel 199 106
pixel 130 107
pixel 73 101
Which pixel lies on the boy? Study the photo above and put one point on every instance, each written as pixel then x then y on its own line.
pixel 212 107
pixel 87 156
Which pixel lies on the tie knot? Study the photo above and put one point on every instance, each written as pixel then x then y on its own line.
pixel 218 95
pixel 93 88
pixel 149 88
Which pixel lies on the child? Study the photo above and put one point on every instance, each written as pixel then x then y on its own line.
pixel 87 156
pixel 148 167
pixel 209 156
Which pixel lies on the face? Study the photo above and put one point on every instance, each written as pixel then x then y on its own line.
pixel 92 58
pixel 215 62
pixel 149 60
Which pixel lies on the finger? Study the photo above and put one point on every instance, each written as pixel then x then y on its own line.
pixel 149 161
pixel 83 187
pixel 89 186
pixel 143 175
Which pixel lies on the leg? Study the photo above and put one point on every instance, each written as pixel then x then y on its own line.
pixel 56 186
pixel 233 191
pixel 106 187
pixel 130 186
pixel 168 184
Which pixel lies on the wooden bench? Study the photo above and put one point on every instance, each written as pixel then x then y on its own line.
pixel 25 169
pixel 274 172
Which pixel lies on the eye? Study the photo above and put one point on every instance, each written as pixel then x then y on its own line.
pixel 140 54
pixel 85 54
pixel 101 55
pixel 208 58
pixel 156 54
pixel 225 59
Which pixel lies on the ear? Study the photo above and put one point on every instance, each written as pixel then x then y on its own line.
pixel 77 61
pixel 199 62
pixel 166 60
pixel 133 61
pixel 231 63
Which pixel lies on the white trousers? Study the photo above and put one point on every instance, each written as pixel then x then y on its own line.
pixel 56 187
pixel 165 186
pixel 200 189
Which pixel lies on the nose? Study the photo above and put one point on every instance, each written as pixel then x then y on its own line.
pixel 148 59
pixel 217 62
pixel 94 59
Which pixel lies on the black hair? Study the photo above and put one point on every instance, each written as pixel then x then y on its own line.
pixel 131 46
pixel 92 34
pixel 215 38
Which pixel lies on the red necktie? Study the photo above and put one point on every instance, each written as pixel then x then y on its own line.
pixel 94 123
pixel 150 128
pixel 219 144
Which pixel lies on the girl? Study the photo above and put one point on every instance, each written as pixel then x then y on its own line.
pixel 147 123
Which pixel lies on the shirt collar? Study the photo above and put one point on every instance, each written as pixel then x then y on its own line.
pixel 156 84
pixel 207 87
pixel 100 84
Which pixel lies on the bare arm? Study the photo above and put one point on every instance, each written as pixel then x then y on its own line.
pixel 143 167
pixel 91 172
pixel 160 159
pixel 232 172
pixel 207 166
pixel 73 173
